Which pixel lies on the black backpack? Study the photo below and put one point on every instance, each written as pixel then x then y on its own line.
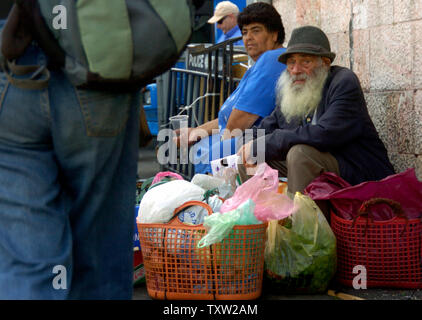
pixel 114 45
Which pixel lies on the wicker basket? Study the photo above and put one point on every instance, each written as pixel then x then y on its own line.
pixel 391 251
pixel 177 270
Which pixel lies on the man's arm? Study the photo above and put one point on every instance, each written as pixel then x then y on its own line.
pixel 239 120
pixel 269 124
pixel 15 36
pixel 209 126
pixel 198 133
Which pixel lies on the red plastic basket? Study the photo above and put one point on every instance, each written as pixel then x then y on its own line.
pixel 177 270
pixel 391 251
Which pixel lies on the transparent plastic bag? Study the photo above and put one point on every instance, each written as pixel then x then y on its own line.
pixel 220 225
pixel 215 203
pixel 300 256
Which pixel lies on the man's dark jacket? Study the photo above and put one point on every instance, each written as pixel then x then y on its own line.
pixel 344 128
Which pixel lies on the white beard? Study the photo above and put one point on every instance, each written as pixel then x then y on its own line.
pixel 299 100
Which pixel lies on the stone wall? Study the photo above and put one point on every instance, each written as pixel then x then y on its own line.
pixel 381 41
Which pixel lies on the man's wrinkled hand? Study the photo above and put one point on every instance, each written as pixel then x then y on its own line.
pixel 245 153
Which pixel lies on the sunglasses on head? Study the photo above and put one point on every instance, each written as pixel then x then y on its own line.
pixel 221 20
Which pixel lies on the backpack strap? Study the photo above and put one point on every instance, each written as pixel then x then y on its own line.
pixel 30 14
pixel 16 35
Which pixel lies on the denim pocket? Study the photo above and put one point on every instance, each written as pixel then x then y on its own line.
pixel 105 114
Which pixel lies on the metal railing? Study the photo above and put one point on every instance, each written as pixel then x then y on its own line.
pixel 198 94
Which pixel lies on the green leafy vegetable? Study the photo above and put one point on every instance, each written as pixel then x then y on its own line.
pixel 300 257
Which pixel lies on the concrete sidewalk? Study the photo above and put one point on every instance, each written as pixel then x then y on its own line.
pixel 342 293
pixel 148 165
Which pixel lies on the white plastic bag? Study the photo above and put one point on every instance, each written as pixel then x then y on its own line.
pixel 207 182
pixel 158 204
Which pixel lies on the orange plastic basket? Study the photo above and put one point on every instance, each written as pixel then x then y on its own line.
pixel 177 270
pixel 391 251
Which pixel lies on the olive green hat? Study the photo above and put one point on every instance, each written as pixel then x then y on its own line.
pixel 310 40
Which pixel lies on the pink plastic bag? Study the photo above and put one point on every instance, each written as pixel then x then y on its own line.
pixel 346 199
pixel 163 174
pixel 262 189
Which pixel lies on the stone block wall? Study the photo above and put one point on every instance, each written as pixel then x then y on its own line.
pixel 381 41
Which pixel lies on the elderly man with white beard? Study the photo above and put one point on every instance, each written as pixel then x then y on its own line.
pixel 321 122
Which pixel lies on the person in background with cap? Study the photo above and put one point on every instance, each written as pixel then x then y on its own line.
pixel 225 15
pixel 321 122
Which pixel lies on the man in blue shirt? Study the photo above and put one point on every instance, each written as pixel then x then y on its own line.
pixel 225 15
pixel 254 97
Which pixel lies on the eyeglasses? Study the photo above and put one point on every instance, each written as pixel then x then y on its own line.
pixel 221 20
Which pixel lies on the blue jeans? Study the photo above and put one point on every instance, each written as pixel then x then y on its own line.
pixel 68 162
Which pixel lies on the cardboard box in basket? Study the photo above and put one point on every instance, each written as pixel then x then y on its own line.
pixel 239 65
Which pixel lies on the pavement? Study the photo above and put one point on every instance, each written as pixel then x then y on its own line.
pixel 340 293
pixel 148 167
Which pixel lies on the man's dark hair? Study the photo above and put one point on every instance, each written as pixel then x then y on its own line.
pixel 261 12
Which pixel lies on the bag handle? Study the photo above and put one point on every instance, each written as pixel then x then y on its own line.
pixel 175 222
pixel 364 210
pixel 164 174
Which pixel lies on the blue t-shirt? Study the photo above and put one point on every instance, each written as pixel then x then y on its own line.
pixel 254 94
pixel 256 91
pixel 233 33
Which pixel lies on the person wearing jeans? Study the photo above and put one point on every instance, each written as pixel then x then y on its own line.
pixel 68 162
